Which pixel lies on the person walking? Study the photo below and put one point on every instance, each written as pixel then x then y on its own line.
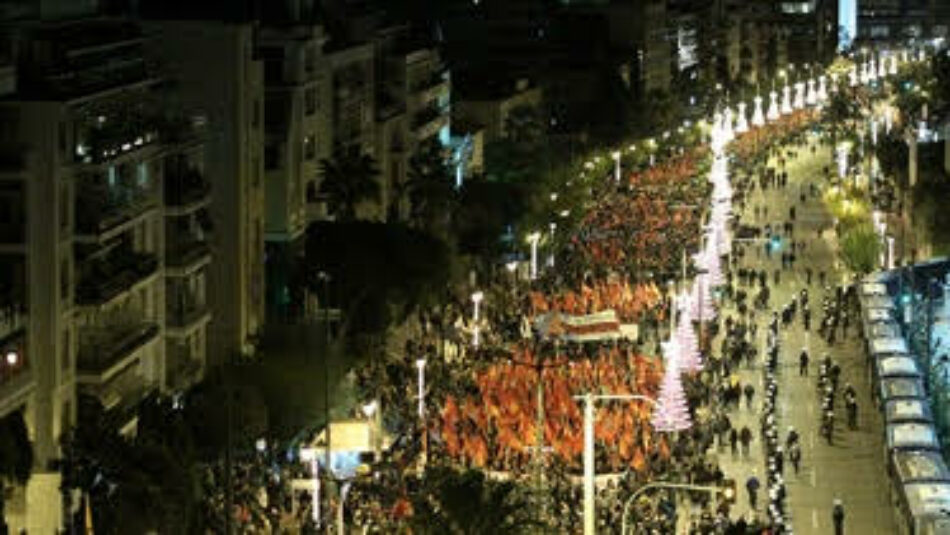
pixel 837 516
pixel 752 486
pixel 745 437
pixel 749 392
pixel 803 363
pixel 734 441
pixel 795 456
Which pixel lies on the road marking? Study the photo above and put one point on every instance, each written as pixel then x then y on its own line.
pixel 814 518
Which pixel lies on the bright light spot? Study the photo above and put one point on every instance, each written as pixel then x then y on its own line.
pixel 12 358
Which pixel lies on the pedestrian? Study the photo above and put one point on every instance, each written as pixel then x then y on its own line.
pixel 734 440
pixel 803 363
pixel 749 392
pixel 795 456
pixel 745 437
pixel 752 486
pixel 837 516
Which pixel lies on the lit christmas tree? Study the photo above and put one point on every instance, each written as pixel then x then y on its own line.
pixel 701 304
pixel 688 345
pixel 672 411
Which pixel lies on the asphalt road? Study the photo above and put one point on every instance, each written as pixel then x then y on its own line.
pixel 853 467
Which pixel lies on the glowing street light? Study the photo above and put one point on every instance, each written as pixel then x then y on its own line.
pixel 476 300
pixel 12 358
pixel 533 239
pixel 616 156
pixel 811 96
pixel 822 89
pixel 786 100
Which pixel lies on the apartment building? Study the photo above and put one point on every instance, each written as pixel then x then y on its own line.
pixel 219 77
pixel 882 21
pixel 87 135
pixel 297 137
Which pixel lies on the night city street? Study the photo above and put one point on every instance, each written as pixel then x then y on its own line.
pixel 475 267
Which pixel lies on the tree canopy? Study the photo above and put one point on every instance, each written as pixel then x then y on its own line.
pixel 349 179
pixel 378 271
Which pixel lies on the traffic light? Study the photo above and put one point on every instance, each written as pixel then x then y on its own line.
pixel 728 491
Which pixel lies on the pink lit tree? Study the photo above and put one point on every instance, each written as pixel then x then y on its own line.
pixel 672 410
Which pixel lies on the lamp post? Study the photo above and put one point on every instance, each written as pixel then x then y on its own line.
pixel 421 396
pixel 728 492
pixel 552 227
pixel 616 156
pixel 372 412
pixel 476 300
pixel 533 239
pixel 589 399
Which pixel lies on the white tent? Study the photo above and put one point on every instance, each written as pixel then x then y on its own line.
pixel 894 345
pixel 873 288
pixel 875 315
pixel 927 498
pixel 897 366
pixel 912 435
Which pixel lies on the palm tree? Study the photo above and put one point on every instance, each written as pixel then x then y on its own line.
pixel 349 178
pixel 429 186
pixel 468 503
pixel 16 456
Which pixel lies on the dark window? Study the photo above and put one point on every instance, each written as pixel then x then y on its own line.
pixel 271 157
pixel 310 101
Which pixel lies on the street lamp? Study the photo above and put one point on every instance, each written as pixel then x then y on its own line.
pixel 12 358
pixel 589 399
pixel 476 300
pixel 727 492
pixel 758 118
pixel 786 99
pixel 533 239
pixel 552 227
pixel 616 156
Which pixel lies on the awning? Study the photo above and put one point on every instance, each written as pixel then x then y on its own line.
pixel 873 288
pixel 874 315
pixel 925 499
pixel 897 366
pixel 877 301
pixel 892 345
pixel 901 387
pixel 912 435
pixel 919 466
pixel 906 410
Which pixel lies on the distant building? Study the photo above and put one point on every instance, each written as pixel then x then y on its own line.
pixel 490 107
pixel 899 20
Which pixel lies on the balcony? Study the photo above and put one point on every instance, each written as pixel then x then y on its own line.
pixel 185 192
pixel 103 211
pixel 105 279
pixel 184 313
pixel 428 122
pixel 184 256
pixel 106 351
pixel 182 369
pixel 13 319
pixel 428 87
pixel 16 381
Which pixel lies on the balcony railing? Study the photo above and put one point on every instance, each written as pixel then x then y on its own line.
pixel 99 208
pixel 183 310
pixel 185 188
pixel 185 252
pixel 104 347
pixel 109 277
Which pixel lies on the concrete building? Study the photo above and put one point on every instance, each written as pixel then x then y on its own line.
pixel 883 21
pixel 194 52
pixel 490 109
pixel 87 135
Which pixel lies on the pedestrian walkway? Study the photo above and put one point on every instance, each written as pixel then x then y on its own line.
pixel 853 467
